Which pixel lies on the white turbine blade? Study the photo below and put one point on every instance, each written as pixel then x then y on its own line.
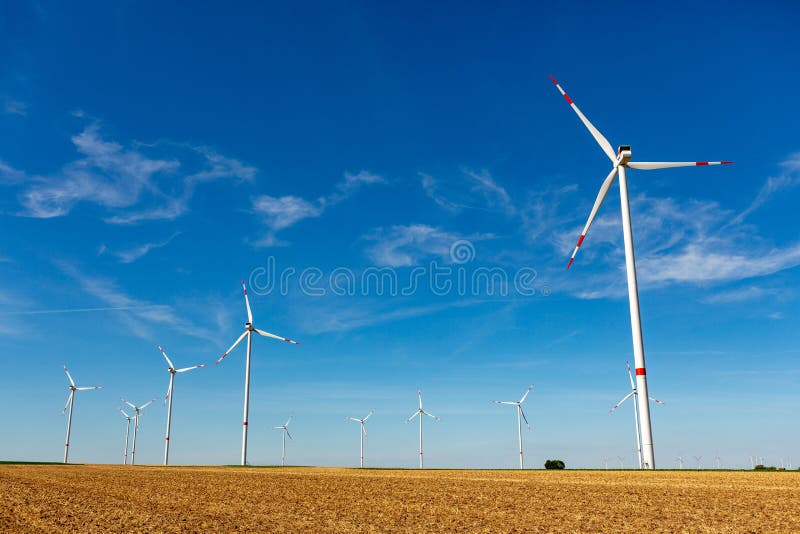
pixel 267 334
pixel 353 419
pixel 505 402
pixel 169 392
pixel 602 141
pixel 148 403
pixel 69 399
pixel 617 405
pixel 277 428
pixel 526 394
pixel 239 340
pixel 364 428
pixel 372 411
pixel 190 368
pixel 601 195
pixel 630 375
pixel 662 403
pixel 652 165
pixel 247 303
pixel 431 415
pixel 419 394
pixel 71 381
pixel 123 413
pixel 128 403
pixel 166 357
pixel 413 416
pixel 89 388
pixel 525 418
pixel 288 421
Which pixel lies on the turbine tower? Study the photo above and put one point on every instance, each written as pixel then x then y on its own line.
pixel 137 411
pixel 127 433
pixel 363 432
pixel 248 332
pixel 621 162
pixel 71 404
pixel 172 372
pixel 420 412
pixel 633 393
pixel 679 461
pixel 285 428
pixel 520 417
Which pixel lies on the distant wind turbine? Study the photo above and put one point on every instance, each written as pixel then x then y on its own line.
pixel 362 432
pixel 633 393
pixel 71 403
pixel 717 459
pixel 420 412
pixel 679 461
pixel 127 433
pixel 248 332
pixel 698 458
pixel 621 461
pixel 621 162
pixel 172 371
pixel 520 417
pixel 137 412
pixel 285 428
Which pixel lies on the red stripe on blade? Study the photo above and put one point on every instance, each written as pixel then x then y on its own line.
pixel 640 371
pixel 553 80
pixel 580 240
pixel 570 263
pixel 701 163
pixel 569 100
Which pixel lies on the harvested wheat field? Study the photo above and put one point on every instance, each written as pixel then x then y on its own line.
pixel 94 498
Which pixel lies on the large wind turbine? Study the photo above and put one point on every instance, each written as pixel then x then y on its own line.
pixel 127 433
pixel 248 332
pixel 172 371
pixel 633 393
pixel 71 404
pixel 137 412
pixel 620 163
pixel 520 416
pixel 420 412
pixel 363 432
pixel 285 428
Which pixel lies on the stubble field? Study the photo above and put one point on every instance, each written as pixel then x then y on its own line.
pixel 94 498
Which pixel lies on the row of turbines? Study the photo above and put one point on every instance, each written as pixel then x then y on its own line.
pixel 621 162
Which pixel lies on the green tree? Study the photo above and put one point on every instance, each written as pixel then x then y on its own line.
pixel 554 464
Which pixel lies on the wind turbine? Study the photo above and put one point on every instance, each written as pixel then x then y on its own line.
pixel 248 332
pixel 137 412
pixel 633 393
pixel 605 462
pixel 621 462
pixel 285 428
pixel 71 404
pixel 698 458
pixel 620 163
pixel 679 461
pixel 717 459
pixel 363 432
pixel 127 433
pixel 420 412
pixel 172 371
pixel 520 416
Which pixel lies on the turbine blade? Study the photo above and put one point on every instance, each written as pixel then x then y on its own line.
pixel 123 413
pixel 267 334
pixel 148 403
pixel 372 411
pixel 526 394
pixel 190 368
pixel 602 141
pixel 169 392
pixel 617 405
pixel 413 416
pixel 364 428
pixel 247 303
pixel 419 394
pixel 128 403
pixel 601 195
pixel 287 432
pixel 166 357
pixel 239 340
pixel 69 399
pixel 71 381
pixel 658 401
pixel 288 421
pixel 90 388
pixel 431 415
pixel 652 165
pixel 505 402
pixel 353 419
pixel 525 418
pixel 630 375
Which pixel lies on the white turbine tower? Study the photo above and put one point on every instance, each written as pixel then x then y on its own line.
pixel 520 417
pixel 621 461
pixel 71 404
pixel 363 432
pixel 633 393
pixel 137 411
pixel 698 458
pixel 679 461
pixel 620 164
pixel 127 433
pixel 285 428
pixel 172 371
pixel 248 332
pixel 717 459
pixel 605 462
pixel 420 412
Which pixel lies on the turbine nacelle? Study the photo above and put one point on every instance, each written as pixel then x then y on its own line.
pixel 623 154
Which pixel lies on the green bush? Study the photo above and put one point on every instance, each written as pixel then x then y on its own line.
pixel 554 464
pixel 761 467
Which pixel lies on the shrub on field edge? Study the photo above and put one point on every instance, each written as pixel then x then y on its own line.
pixel 762 467
pixel 554 464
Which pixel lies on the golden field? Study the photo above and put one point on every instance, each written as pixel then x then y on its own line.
pixel 102 498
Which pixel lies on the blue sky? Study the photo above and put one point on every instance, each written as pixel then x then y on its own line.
pixel 152 156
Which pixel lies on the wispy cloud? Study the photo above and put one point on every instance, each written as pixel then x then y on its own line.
pixel 279 213
pixel 407 245
pixel 739 294
pixel 125 180
pixel 15 107
pixel 494 195
pixel 479 190
pixel 132 254
pixel 789 177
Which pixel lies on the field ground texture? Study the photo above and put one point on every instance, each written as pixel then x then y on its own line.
pixel 103 498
